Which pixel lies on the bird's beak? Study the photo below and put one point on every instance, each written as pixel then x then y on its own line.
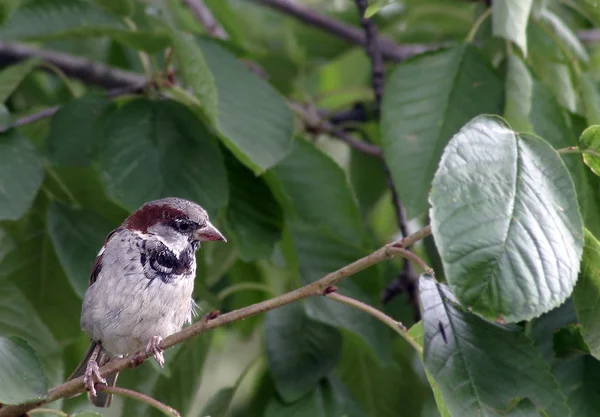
pixel 209 233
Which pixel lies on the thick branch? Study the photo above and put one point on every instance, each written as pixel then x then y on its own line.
pixel 211 321
pixel 206 18
pixel 76 67
pixel 390 50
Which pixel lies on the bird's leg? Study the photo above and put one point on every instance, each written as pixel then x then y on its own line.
pixel 92 372
pixel 153 349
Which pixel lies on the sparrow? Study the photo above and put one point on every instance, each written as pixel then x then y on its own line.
pixel 140 287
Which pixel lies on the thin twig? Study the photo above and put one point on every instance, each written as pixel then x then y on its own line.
pixel 212 321
pixel 206 18
pixel 482 17
pixel 389 49
pixel 397 326
pixel 76 67
pixel 123 392
pixel 317 125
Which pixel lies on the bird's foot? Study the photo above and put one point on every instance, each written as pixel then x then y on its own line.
pixel 92 376
pixel 153 349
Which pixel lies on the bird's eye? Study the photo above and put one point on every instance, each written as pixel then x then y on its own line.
pixel 183 225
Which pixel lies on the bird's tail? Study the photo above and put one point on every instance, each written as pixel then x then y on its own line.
pixel 101 356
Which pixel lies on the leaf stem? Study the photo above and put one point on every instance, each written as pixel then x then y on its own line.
pixel 397 326
pixel 60 74
pixel 49 411
pixel 123 392
pixel 576 149
pixel 214 320
pixel 471 36
pixel 244 286
pixel 144 58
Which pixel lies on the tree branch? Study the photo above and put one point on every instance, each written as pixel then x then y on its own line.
pixel 206 18
pixel 389 50
pixel 212 321
pixel 76 67
pixel 124 392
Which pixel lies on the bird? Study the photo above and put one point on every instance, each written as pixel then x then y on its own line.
pixel 140 286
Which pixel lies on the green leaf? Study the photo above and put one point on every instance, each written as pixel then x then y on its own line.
pixel 59 19
pixel 377 389
pixel 21 174
pixel 568 342
pixel 553 124
pixel 375 6
pixel 320 253
pixel 21 379
pixel 159 149
pixel 564 34
pixel 74 130
pixel 418 119
pixel 519 94
pixel 591 98
pixel 501 202
pixel 86 414
pixel 417 333
pixel 482 367
pixel 117 7
pixel 590 141
pixel 298 183
pixel 19 319
pixel 509 20
pixel 256 126
pixel 254 218
pixel 77 235
pixel 317 403
pixel 5 118
pixel 586 296
pixel 219 403
pixel 300 351
pixel 11 77
pixel 196 72
pixel 575 376
pixel 368 180
pixel 7 8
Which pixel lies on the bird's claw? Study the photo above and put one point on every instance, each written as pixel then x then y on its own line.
pixel 92 376
pixel 153 349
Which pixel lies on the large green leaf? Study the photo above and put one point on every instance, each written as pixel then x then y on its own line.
pixel 21 378
pixel 196 72
pixel 160 149
pixel 300 350
pixel 320 253
pixel 418 119
pixel 11 77
pixel 57 19
pixel 19 319
pixel 21 174
pixel 586 296
pixel 77 236
pixel 253 119
pixel 589 141
pixel 564 34
pixel 74 130
pixel 298 182
pixel 254 218
pixel 509 20
pixel 481 368
pixel 505 219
